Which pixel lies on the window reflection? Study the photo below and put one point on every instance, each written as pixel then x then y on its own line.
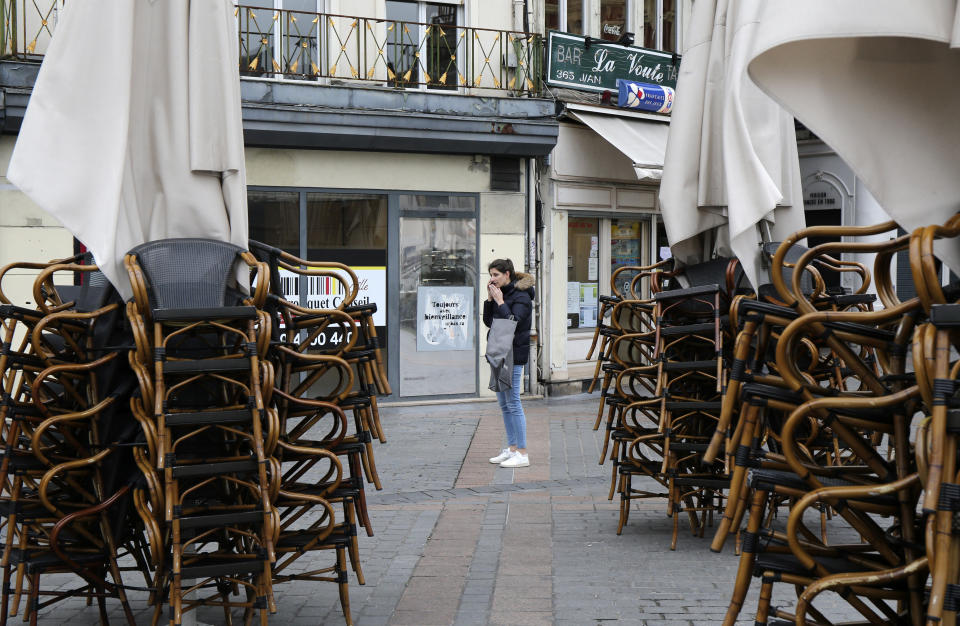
pixel 274 219
pixel 583 266
pixel 551 15
pixel 613 19
pixel 575 16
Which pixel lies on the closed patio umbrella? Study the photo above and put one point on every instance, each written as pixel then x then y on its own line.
pixel 731 161
pixel 133 131
pixel 878 81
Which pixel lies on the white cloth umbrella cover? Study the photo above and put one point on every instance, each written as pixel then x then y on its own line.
pixel 133 131
pixel 748 169
pixel 879 82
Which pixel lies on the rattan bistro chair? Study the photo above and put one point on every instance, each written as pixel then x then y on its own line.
pixel 215 435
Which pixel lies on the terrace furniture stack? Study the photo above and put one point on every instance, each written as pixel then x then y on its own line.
pixel 182 435
pixel 834 438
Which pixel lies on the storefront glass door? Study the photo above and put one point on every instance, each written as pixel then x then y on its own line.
pixel 438 297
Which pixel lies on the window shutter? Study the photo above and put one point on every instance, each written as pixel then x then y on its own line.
pixel 504 173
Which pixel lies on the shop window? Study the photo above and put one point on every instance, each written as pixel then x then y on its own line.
pixel 432 203
pixel 626 248
pixel 274 219
pixel 663 244
pixel 660 25
pixel 564 15
pixel 351 228
pixel 613 18
pixel 422 40
pixel 504 174
pixel 583 267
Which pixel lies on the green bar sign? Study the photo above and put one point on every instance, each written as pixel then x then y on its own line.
pixel 571 64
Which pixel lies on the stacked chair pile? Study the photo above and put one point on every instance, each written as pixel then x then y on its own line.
pixel 191 435
pixel 833 447
pixel 663 360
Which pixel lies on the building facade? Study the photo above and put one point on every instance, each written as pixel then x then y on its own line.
pixel 398 137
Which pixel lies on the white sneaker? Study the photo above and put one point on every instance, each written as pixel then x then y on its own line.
pixel 516 460
pixel 503 456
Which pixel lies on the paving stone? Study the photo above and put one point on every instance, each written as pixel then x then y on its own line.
pixel 461 541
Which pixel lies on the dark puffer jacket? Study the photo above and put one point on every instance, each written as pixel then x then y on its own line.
pixel 517 301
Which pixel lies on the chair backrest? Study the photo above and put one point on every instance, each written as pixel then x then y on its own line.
pixel 793 255
pixel 187 273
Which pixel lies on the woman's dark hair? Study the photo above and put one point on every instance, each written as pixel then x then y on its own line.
pixel 504 266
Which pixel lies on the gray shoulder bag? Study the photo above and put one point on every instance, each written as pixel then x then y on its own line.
pixel 500 353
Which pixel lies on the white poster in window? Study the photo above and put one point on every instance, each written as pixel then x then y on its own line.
pixel 594 246
pixel 588 303
pixel 593 266
pixel 573 298
pixel 445 318
pixel 327 292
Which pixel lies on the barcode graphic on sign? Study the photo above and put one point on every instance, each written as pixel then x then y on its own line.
pixel 324 285
pixel 290 285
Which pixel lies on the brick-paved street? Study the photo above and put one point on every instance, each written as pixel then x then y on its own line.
pixel 460 541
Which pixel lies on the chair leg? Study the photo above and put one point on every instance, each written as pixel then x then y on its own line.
pixel 747 559
pixel 34 602
pixel 763 604
pixel 343 584
pixel 6 591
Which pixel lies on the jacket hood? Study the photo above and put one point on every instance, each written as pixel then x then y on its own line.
pixel 524 281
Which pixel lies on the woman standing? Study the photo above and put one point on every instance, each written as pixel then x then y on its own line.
pixel 511 293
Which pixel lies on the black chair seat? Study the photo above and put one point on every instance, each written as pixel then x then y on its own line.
pixel 789 564
pixel 41 561
pixel 685 446
pixel 218 566
pixel 769 392
pixel 768 480
pixel 861 329
pixel 300 539
pixel 689 292
pixel 205 313
pixel 206 366
pixel 851 299
pixel 216 468
pixel 213 520
pixel 197 418
pixel 691 329
pixel 708 482
pixel 365 309
pixel 686 366
pixel 681 406
pixel 759 308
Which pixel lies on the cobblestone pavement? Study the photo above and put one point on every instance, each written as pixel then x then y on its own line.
pixel 460 541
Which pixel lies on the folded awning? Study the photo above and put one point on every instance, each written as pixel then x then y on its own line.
pixel 643 142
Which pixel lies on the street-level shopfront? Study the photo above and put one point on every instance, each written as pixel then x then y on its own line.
pixel 601 217
pixel 599 190
pixel 419 242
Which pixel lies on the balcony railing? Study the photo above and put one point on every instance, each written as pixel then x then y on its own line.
pixel 321 47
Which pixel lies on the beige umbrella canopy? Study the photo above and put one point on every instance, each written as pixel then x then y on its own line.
pixel 879 81
pixel 133 132
pixel 731 162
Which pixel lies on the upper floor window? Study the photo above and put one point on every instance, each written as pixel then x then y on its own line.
pixel 613 18
pixel 422 43
pixel 660 25
pixel 564 15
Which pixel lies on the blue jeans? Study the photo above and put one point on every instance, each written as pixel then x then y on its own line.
pixel 514 420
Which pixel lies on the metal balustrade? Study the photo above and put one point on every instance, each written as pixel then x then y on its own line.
pixel 325 48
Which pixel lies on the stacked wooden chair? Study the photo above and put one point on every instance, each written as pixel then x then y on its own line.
pixel 668 354
pixel 832 439
pixel 65 390
pixel 326 396
pixel 188 434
